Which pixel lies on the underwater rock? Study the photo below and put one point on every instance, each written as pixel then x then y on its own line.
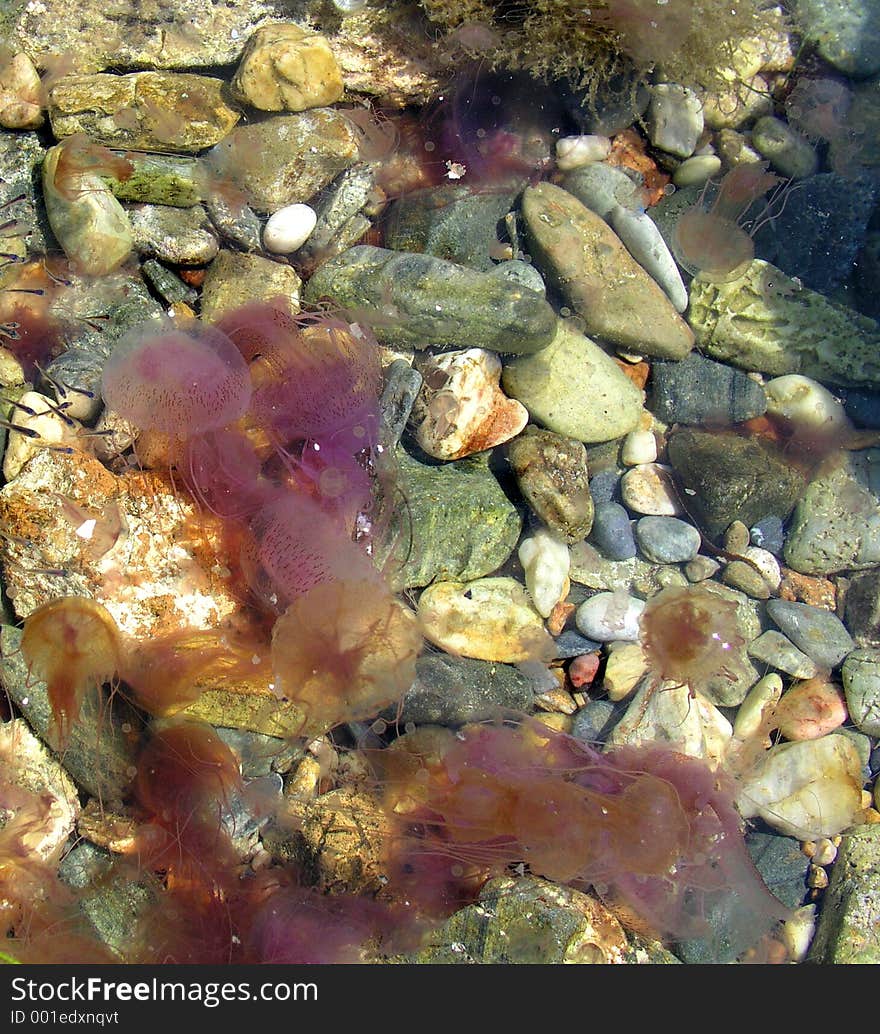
pixel 235 278
pixel 285 159
pixel 454 222
pixel 847 928
pixel 470 535
pixel 663 712
pixel 286 68
pixel 768 322
pixel 551 472
pixel 545 560
pixel 524 921
pixel 807 789
pixel 861 683
pixel 100 753
pixel 20 101
pixel 836 523
pixel 697 390
pixel 178 236
pixel 469 413
pixel 727 477
pixel 454 690
pixel 418 301
pixel 574 388
pixel 491 619
pixel 147 111
pixel 29 766
pixel 616 299
pixel 127 564
pixel 90 224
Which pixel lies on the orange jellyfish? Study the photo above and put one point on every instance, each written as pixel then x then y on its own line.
pixel 73 645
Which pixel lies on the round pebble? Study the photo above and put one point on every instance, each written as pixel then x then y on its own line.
pixel 819 633
pixel 582 670
pixel 667 540
pixel 649 489
pixel 701 568
pixel 740 575
pixel 777 650
pixel 609 616
pixel 612 532
pixel 806 403
pixel 289 228
pixel 736 538
pixel 695 171
pixel 572 152
pixel 638 447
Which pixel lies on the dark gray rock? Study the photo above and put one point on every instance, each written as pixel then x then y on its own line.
pixel 612 532
pixel 726 477
pixel 402 385
pixel 452 691
pixel 593 722
pixel 863 407
pixel 699 391
pixel 168 284
pixel 604 486
pixel 454 222
pixel 572 644
pixel 419 301
pixel 820 229
pixel 769 534
pixel 783 868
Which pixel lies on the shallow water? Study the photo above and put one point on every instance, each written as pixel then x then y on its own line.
pixel 424 454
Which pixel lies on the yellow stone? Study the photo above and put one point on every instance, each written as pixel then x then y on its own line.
pixel 286 68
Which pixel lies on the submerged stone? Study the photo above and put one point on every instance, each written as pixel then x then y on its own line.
pixel 148 111
pixel 590 266
pixel 418 301
pixel 766 321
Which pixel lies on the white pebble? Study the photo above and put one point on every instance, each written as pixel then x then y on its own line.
pixel 806 403
pixel 545 559
pixel 694 172
pixel 289 228
pixel 638 447
pixel 805 789
pixel 798 930
pixel 572 152
pixel 645 243
pixel 609 616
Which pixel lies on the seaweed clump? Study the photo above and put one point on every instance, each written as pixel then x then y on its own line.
pixel 686 40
